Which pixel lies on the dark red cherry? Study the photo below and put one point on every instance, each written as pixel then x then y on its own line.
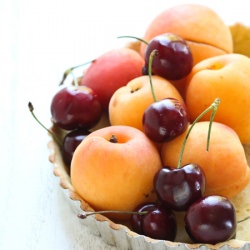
pixel 174 59
pixel 76 107
pixel 70 143
pixel 178 188
pixel 157 222
pixel 136 219
pixel 165 119
pixel 160 223
pixel 211 220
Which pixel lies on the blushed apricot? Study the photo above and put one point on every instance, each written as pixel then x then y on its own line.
pixel 225 164
pixel 111 70
pixel 204 30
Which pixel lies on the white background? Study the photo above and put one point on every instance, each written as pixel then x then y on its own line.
pixel 39 40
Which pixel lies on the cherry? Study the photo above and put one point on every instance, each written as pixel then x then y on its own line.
pixel 70 143
pixel 174 59
pixel 178 188
pixel 153 220
pixel 211 219
pixel 165 119
pixel 136 218
pixel 160 223
pixel 75 107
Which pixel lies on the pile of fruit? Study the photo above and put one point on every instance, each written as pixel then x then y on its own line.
pixel 158 129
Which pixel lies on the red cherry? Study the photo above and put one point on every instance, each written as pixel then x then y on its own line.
pixel 160 223
pixel 165 119
pixel 155 221
pixel 76 107
pixel 174 59
pixel 211 220
pixel 136 219
pixel 180 187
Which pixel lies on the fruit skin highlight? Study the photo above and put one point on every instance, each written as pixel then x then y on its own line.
pixel 225 164
pixel 203 29
pixel 115 175
pixel 226 77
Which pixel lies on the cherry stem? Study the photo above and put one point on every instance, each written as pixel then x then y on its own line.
pixel 31 108
pixel 84 216
pixel 151 57
pixel 70 71
pixel 137 38
pixel 213 107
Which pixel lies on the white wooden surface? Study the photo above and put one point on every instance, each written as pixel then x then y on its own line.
pixel 38 41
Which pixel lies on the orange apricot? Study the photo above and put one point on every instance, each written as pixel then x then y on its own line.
pixel 113 169
pixel 203 29
pixel 225 77
pixel 224 164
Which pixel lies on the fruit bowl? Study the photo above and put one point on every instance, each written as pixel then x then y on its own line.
pixel 118 233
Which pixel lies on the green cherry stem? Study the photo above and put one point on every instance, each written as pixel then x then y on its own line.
pixel 134 37
pixel 70 71
pixel 151 57
pixel 31 108
pixel 214 106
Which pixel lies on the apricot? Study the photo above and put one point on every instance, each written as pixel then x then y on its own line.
pixel 203 29
pixel 112 70
pixel 129 102
pixel 224 164
pixel 225 77
pixel 113 175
